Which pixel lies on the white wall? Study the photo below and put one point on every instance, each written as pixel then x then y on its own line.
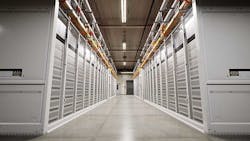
pixel 122 90
pixel 223 35
pixel 25 36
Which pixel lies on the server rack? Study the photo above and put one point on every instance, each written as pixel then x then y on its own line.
pixel 69 94
pixel 140 84
pixel 112 87
pixel 80 77
pixel 153 82
pixel 164 77
pixel 148 82
pixel 103 83
pixel 107 87
pixel 92 80
pixel 87 78
pixel 158 79
pixel 97 82
pixel 143 89
pixel 181 85
pixel 194 81
pixel 56 98
pixel 171 78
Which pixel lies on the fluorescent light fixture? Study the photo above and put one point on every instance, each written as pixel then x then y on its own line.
pixel 124 10
pixel 124 45
pixel 124 63
pixel 125 72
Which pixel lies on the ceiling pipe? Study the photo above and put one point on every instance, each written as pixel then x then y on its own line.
pixel 163 5
pixel 86 30
pixel 153 34
pixel 98 30
pixel 166 19
pixel 91 28
pixel 165 29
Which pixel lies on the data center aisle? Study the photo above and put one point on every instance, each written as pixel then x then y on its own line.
pixel 126 118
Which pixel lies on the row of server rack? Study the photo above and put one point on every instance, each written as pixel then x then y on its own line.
pixel 200 74
pixel 80 79
pixel 49 74
pixel 171 78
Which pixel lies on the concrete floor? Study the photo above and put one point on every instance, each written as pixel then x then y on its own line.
pixel 125 118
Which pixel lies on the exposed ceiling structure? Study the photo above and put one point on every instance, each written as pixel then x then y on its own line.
pixel 140 17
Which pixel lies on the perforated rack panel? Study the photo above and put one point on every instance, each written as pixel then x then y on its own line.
pixel 158 81
pixel 181 83
pixel 56 89
pixel 194 82
pixel 58 67
pixel 164 83
pixel 80 81
pixel 70 82
pixel 87 83
pixel 92 85
pixel 171 85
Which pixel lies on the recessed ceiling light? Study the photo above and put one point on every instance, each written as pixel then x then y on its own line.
pixel 124 10
pixel 124 45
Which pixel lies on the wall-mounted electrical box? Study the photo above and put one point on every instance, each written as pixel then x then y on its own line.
pixel 243 74
pixel 8 73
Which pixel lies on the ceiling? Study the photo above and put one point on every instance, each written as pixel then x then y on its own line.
pixel 140 16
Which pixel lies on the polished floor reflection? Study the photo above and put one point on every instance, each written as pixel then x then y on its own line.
pixel 125 118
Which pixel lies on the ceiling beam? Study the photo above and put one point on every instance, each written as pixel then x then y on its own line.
pixel 124 26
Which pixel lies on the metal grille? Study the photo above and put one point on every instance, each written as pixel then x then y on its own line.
pixel 87 77
pixel 99 85
pixel 164 83
pixel 56 89
pixel 102 87
pixel 181 83
pixel 148 84
pixel 105 86
pixel 92 84
pixel 111 86
pixel 158 84
pixel 171 85
pixel 70 82
pixel 96 86
pixel 151 86
pixel 154 86
pixel 103 83
pixel 194 82
pixel 80 83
